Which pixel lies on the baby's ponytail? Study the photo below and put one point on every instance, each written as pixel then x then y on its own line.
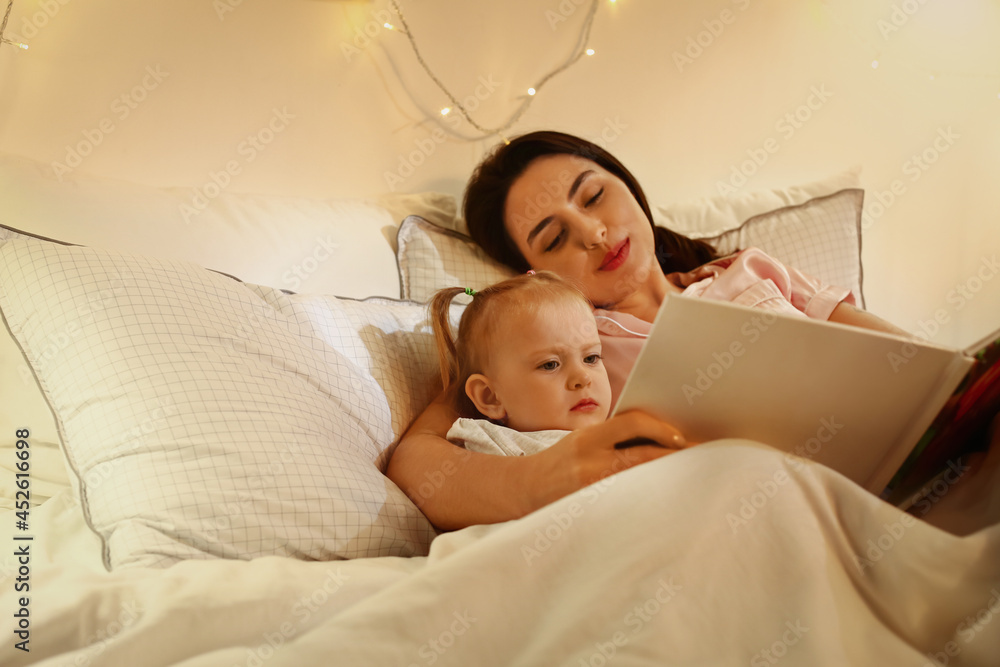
pixel 447 350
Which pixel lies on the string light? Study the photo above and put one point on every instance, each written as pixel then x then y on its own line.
pixel 3 28
pixel 578 51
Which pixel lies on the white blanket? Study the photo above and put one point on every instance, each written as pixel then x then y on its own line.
pixel 727 553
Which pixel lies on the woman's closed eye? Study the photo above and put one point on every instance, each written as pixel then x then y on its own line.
pixel 595 198
pixel 556 241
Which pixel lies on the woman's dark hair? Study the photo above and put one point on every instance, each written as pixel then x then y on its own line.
pixel 486 199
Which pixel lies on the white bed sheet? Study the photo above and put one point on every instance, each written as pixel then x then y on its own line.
pixel 728 553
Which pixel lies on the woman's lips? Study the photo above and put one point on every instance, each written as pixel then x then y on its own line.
pixel 616 257
pixel 586 405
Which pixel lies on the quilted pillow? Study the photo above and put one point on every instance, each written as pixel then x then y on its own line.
pixel 814 227
pixel 821 237
pixel 203 417
pixel 432 258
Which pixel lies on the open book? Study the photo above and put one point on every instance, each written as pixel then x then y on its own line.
pixel 856 400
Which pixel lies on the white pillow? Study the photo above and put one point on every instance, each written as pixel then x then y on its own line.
pixel 815 228
pixel 821 237
pixel 324 246
pixel 327 246
pixel 204 417
pixel 711 216
pixel 23 406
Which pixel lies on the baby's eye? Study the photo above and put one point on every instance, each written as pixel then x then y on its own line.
pixel 592 359
pixel 549 366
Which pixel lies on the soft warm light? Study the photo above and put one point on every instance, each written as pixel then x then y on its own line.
pixel 531 91
pixel 389 26
pixel 445 111
pixel 874 64
pixel 590 52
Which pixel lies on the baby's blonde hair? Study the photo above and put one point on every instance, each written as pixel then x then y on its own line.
pixel 469 352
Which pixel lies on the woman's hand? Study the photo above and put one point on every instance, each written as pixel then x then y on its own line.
pixel 589 454
pixel 456 488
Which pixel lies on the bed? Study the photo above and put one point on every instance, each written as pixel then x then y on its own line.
pixel 201 392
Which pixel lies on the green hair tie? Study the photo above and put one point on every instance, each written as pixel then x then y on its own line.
pixel 470 291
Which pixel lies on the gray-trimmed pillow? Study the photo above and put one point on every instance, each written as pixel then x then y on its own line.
pixel 203 417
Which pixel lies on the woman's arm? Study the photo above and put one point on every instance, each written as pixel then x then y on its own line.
pixel 846 313
pixel 453 486
pixel 456 488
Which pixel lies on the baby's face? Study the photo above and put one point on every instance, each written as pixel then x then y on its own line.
pixel 547 370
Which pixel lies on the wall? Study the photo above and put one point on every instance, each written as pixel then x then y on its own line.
pixel 170 92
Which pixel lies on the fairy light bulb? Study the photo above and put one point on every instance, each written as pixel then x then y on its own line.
pixel 403 28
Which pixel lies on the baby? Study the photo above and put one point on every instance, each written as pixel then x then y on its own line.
pixel 526 366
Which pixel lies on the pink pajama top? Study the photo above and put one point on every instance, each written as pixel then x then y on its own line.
pixel 748 278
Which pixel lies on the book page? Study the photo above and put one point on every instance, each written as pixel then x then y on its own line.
pixel 846 397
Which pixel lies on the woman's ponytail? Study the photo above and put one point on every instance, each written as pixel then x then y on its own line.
pixel 676 252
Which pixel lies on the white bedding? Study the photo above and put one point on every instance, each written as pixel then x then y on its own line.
pixel 728 553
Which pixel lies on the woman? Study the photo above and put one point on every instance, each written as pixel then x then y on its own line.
pixel 551 201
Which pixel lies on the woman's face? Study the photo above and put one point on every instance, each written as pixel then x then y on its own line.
pixel 568 215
